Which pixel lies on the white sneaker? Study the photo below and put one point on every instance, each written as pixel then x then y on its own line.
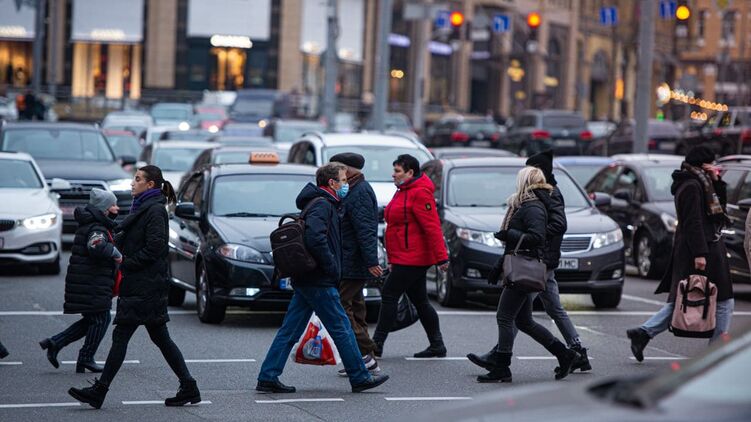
pixel 370 363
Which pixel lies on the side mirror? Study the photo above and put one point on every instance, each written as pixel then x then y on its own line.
pixel 187 211
pixel 601 199
pixel 127 160
pixel 623 195
pixel 59 184
pixel 745 204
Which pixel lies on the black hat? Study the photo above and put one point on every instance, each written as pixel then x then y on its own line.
pixel 543 161
pixel 351 159
pixel 700 155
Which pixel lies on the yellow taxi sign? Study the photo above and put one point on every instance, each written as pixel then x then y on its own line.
pixel 263 158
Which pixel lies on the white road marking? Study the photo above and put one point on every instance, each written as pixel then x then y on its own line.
pixel 642 300
pixel 298 401
pixel 140 402
pixel 446 358
pixel 537 357
pixel 100 362
pixel 11 363
pixel 426 398
pixel 32 405
pixel 661 357
pixel 218 360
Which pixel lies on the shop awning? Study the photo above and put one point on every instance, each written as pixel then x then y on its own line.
pixel 236 20
pixel 16 24
pixel 107 21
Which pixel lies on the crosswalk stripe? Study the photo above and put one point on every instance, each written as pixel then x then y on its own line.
pixel 282 401
pixel 426 398
pixel 32 405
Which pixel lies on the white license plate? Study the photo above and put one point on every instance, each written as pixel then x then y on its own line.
pixel 285 284
pixel 565 142
pixel 568 264
pixel 667 146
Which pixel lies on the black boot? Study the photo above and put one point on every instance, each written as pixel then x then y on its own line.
pixel 582 363
pixel 188 392
pixel 93 396
pixel 566 359
pixel 639 340
pixel 3 351
pixel 52 350
pixel 501 371
pixel 83 365
pixel 436 349
pixel 483 361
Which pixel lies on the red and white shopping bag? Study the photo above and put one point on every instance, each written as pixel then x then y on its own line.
pixel 315 346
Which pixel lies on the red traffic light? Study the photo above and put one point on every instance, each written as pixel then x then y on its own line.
pixel 456 18
pixel 534 20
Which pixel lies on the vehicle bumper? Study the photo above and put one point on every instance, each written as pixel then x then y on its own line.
pixel 23 246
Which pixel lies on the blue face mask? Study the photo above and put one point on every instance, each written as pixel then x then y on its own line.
pixel 342 191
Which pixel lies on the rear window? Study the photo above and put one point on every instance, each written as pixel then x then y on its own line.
pixel 474 127
pixel 564 122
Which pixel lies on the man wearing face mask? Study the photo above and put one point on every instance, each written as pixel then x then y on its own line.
pixel 359 251
pixel 90 280
pixel 317 292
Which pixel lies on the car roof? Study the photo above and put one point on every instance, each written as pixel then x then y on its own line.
pixel 583 160
pixel 50 125
pixel 735 159
pixel 640 159
pixel 184 144
pixel 282 168
pixel 13 155
pixel 361 139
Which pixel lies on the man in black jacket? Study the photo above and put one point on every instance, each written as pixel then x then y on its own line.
pixel 317 291
pixel 359 252
pixel 89 281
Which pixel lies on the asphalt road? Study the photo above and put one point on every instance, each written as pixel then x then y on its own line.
pixel 225 360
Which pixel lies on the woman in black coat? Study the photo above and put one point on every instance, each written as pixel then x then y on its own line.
pixel 143 292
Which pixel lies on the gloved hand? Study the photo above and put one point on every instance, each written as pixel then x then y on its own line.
pixel 501 235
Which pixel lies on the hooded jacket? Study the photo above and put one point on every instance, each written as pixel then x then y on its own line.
pixel 322 237
pixel 359 228
pixel 413 230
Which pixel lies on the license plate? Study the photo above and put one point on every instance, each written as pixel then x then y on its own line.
pixel 667 146
pixel 285 284
pixel 565 142
pixel 568 264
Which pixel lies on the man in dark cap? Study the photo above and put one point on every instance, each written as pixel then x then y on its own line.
pixel 700 199
pixel 551 300
pixel 359 252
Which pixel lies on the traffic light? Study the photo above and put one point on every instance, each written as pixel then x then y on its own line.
pixel 534 20
pixel 682 12
pixel 456 18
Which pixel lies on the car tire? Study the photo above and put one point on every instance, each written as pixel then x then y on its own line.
pixel 208 312
pixel 645 257
pixel 446 293
pixel 52 268
pixel 609 299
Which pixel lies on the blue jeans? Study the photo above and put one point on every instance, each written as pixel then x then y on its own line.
pixel 551 301
pixel 660 321
pixel 327 305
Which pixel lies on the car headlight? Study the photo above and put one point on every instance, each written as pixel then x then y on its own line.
pixel 608 238
pixel 119 185
pixel 241 253
pixel 670 222
pixel 213 128
pixel 40 222
pixel 184 126
pixel 486 238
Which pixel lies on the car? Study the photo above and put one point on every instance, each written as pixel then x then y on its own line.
pixel 464 152
pixel 242 129
pixel 710 387
pixel 726 132
pixel 125 144
pixel 470 197
pixel 186 135
pixel 31 222
pixel 582 168
pixel 258 141
pixel 537 130
pixel 642 205
pixel 345 123
pixel 664 137
pixel 8 110
pixel 77 153
pixel 379 150
pixel 601 128
pixel 173 114
pixel 228 154
pixel 288 131
pixel 736 172
pixel 259 105
pixel 174 158
pixel 211 118
pixel 219 236
pixel 152 134
pixel 462 131
pixel 136 121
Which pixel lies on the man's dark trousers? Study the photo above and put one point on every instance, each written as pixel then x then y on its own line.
pixel 353 302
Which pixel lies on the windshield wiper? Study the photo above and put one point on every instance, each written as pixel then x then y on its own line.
pixel 247 214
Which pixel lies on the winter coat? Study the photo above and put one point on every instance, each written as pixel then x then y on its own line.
pixel 92 267
pixel 413 230
pixel 322 237
pixel 142 239
pixel 557 225
pixel 530 220
pixel 696 236
pixel 359 230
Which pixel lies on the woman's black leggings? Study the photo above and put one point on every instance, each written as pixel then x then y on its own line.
pixel 159 335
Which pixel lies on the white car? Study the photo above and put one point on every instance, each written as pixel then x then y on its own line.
pixel 31 222
pixel 174 158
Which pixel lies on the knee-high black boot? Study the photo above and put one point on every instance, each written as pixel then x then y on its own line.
pixel 500 371
pixel 566 359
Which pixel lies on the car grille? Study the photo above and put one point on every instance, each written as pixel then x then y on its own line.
pixel 79 191
pixel 571 276
pixel 6 225
pixel 575 243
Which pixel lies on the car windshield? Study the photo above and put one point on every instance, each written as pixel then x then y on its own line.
pixel 563 122
pixel 231 157
pixel 583 173
pixel 396 121
pixel 290 132
pixel 255 106
pixel 186 136
pixel 124 145
pixel 210 116
pixel 491 187
pixel 474 127
pixel 239 195
pixel 18 174
pixel 378 159
pixel 176 159
pixel 164 113
pixel 658 181
pixel 58 144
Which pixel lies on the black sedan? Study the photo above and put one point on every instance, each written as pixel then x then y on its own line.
pixel 642 205
pixel 219 236
pixel 460 131
pixel 736 172
pixel 471 195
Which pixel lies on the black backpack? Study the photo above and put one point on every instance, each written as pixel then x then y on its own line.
pixel 291 257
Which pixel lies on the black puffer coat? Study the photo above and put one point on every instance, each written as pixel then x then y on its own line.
pixel 557 225
pixel 359 231
pixel 529 220
pixel 142 239
pixel 91 270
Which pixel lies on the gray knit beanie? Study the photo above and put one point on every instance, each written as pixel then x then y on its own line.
pixel 102 199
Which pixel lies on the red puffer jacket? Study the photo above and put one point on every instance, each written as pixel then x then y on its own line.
pixel 413 230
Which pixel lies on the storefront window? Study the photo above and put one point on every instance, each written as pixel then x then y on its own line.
pixel 440 79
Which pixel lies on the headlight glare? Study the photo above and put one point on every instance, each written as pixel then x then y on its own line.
pixel 40 222
pixel 119 185
pixel 485 238
pixel 601 240
pixel 241 253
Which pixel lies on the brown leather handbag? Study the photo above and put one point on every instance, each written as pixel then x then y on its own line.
pixel 522 272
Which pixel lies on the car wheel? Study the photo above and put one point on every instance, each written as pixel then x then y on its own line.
pixel 645 257
pixel 447 294
pixel 607 299
pixel 52 268
pixel 208 312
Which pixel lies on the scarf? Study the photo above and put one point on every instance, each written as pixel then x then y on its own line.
pixel 142 197
pixel 514 205
pixel 354 177
pixel 714 208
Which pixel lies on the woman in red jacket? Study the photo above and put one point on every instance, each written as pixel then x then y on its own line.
pixel 414 243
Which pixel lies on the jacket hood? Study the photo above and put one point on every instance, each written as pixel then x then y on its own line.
pixel 420 182
pixel 679 178
pixel 309 192
pixel 89 214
